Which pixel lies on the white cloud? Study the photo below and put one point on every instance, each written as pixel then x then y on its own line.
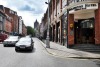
pixel 30 10
pixel 2 2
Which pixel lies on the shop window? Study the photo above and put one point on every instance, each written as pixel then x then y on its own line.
pixel 0 26
pixel 87 24
pixel 1 18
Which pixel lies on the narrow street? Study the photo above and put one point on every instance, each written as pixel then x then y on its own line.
pixel 38 58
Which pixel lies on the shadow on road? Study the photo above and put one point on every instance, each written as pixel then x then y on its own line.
pixel 9 46
pixel 97 61
pixel 27 51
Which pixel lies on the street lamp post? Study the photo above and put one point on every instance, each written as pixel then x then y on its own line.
pixel 47 39
pixel 67 24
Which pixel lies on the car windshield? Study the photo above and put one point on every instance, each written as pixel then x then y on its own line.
pixel 12 37
pixel 25 40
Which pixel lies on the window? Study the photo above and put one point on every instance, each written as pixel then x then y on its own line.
pixel 0 26
pixel 1 18
pixel 87 24
pixel 1 7
pixel 57 1
pixel 11 12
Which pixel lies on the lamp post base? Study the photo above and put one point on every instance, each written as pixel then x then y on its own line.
pixel 47 42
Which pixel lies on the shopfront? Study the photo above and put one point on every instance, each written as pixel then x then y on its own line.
pixel 84 31
pixel 82 24
pixel 64 29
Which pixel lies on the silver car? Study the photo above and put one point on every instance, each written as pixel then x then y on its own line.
pixel 24 43
pixel 11 41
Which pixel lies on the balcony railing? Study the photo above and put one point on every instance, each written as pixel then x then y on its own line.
pixel 77 1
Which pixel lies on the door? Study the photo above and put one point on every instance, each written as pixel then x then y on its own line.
pixel 84 32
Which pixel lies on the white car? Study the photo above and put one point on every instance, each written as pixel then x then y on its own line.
pixel 24 43
pixel 11 41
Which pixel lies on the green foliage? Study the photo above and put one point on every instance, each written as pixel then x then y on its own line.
pixel 30 31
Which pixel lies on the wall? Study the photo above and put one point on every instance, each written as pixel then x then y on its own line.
pixel 97 26
pixel 7 26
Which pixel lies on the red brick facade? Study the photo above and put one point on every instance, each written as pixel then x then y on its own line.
pixel 10 21
pixel 79 12
pixel 24 30
pixel 14 17
pixel 7 26
pixel 97 26
pixel 70 31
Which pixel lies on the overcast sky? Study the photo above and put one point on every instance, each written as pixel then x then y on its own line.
pixel 30 10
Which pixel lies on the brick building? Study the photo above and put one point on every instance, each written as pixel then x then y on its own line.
pixel 14 17
pixel 5 21
pixel 75 21
pixel 24 29
pixel 10 22
pixel 7 24
pixel 2 18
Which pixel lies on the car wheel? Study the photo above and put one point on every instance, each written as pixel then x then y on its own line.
pixel 4 45
pixel 16 50
pixel 31 49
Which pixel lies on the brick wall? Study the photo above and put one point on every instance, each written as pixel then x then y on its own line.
pixel 24 30
pixel 14 19
pixel 7 26
pixel 70 32
pixel 97 26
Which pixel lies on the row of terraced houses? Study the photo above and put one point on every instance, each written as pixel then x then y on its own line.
pixel 10 22
pixel 72 22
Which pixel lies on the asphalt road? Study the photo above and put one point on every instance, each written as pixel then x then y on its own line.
pixel 38 58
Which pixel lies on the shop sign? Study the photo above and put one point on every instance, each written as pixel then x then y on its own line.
pixel 92 6
pixel 84 6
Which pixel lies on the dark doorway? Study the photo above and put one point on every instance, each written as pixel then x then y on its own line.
pixel 84 31
pixel 57 32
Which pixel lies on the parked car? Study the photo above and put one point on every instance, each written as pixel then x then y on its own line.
pixel 2 37
pixel 11 41
pixel 24 43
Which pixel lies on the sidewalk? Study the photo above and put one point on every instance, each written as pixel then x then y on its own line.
pixel 59 50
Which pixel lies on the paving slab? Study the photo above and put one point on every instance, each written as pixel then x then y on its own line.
pixel 62 51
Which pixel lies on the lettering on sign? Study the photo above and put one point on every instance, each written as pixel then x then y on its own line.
pixel 84 6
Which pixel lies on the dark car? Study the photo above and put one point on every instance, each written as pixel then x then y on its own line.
pixel 24 43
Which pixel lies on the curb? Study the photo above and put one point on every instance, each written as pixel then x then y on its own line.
pixel 66 57
pixel 84 58
pixel 44 46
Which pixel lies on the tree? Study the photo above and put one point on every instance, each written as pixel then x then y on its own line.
pixel 30 31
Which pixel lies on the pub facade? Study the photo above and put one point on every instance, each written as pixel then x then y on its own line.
pixel 75 22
